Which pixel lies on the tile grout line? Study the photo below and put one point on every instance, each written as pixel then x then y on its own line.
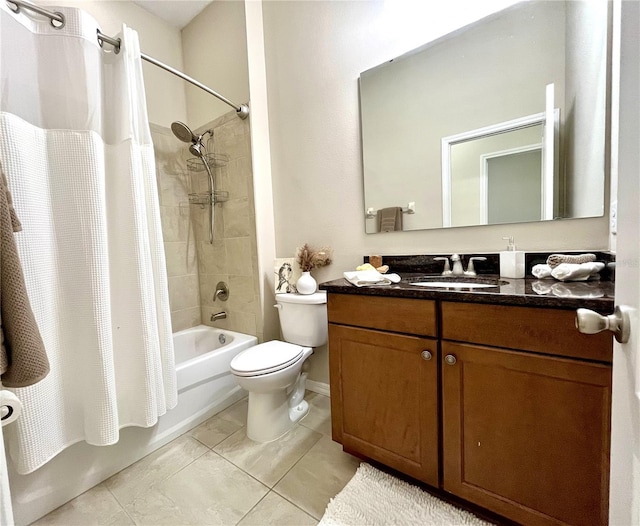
pixel 254 506
pixel 252 476
pixel 296 505
pixel 165 478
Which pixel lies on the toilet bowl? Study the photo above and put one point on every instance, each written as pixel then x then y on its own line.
pixel 272 372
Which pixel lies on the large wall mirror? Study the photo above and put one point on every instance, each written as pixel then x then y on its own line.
pixel 502 121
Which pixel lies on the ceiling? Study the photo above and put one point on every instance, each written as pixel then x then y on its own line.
pixel 178 13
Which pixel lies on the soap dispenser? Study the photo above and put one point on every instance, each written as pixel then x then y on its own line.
pixel 511 261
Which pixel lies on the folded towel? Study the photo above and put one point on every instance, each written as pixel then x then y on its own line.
pixel 541 271
pixel 389 219
pixel 23 360
pixel 577 272
pixel 556 259
pixel 364 278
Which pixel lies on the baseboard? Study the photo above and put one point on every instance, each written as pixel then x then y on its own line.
pixel 318 387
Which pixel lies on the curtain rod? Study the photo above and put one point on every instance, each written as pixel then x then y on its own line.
pixel 58 20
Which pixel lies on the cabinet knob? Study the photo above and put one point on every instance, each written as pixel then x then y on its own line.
pixel 450 359
pixel 426 355
pixel 590 322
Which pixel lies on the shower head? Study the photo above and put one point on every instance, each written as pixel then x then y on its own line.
pixel 183 132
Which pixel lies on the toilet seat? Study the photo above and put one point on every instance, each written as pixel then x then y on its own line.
pixel 266 358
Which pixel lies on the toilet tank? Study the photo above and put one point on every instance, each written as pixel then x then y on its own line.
pixel 303 318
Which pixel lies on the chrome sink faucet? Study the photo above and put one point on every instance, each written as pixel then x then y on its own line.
pixel 458 269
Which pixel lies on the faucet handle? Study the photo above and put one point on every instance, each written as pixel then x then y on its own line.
pixel 447 268
pixel 222 291
pixel 471 271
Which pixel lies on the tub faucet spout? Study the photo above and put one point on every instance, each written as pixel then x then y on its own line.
pixel 218 316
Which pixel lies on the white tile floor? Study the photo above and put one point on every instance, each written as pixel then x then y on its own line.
pixel 214 474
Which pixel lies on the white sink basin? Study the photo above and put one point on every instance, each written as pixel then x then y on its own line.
pixel 454 284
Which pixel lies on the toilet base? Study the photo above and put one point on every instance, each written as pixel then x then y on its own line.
pixel 270 417
pixel 298 412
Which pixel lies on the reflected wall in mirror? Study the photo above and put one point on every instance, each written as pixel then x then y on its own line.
pixel 492 72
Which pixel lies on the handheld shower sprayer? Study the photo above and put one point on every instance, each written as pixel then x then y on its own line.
pixel 197 148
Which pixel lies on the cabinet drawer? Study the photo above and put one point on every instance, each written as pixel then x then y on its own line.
pixel 403 315
pixel 549 331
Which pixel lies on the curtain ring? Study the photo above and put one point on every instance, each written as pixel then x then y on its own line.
pixel 116 43
pixel 15 8
pixel 61 20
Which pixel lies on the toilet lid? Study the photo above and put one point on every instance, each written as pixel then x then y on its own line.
pixel 266 358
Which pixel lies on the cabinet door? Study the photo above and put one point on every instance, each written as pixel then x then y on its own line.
pixel 527 435
pixel 384 398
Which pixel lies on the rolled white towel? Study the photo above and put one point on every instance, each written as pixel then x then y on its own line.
pixel 363 278
pixel 577 272
pixel 541 271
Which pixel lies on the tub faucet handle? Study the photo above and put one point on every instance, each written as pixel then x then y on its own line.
pixel 218 316
pixel 222 292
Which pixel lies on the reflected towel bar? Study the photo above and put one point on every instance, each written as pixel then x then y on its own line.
pixel 409 209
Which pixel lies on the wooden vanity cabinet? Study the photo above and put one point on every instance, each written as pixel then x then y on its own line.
pixel 522 409
pixel 526 413
pixel 384 384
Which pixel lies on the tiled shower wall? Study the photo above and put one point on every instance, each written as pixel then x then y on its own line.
pixel 194 265
pixel 174 185
pixel 233 256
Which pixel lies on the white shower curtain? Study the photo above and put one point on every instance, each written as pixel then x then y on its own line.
pixel 76 148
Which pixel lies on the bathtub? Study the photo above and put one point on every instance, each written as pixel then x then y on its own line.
pixel 203 354
pixel 205 387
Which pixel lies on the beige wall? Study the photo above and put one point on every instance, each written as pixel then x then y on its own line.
pixel 315 52
pixel 215 53
pixel 165 92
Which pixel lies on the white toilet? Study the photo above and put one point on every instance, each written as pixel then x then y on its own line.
pixel 271 371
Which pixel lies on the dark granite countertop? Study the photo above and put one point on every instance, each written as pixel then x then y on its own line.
pixel 550 293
